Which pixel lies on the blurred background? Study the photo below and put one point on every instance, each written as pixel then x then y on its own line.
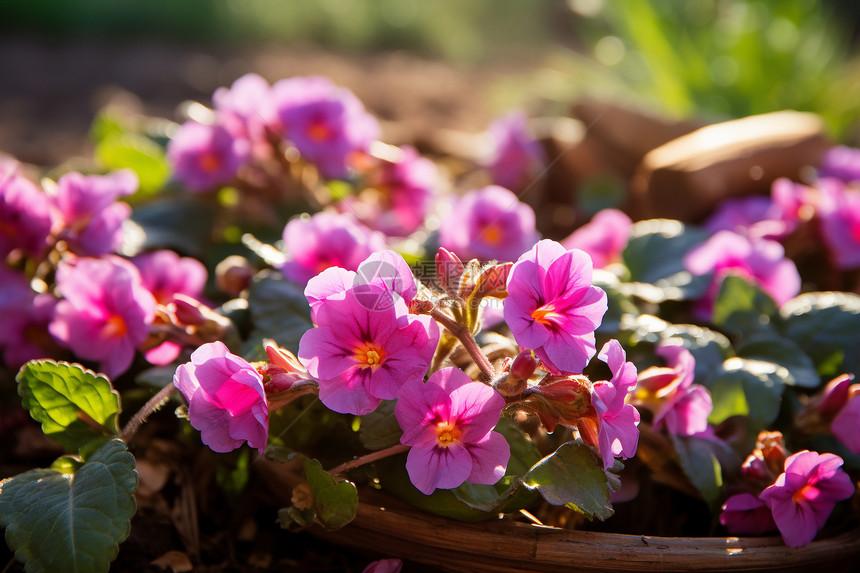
pixel 426 64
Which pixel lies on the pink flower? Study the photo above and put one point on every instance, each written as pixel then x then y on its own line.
pixel 679 406
pixel 226 399
pixel 842 163
pixel 803 497
pixel 487 224
pixel 246 111
pixel 553 308
pixel 517 156
pixel 384 566
pixel 326 240
pixel 449 423
pixel 386 270
pixel 204 157
pixel 361 354
pixel 846 424
pixel 839 212
pixel 166 274
pixel 326 123
pixel 618 433
pixel 761 262
pixel 604 238
pixel 90 217
pixel 399 196
pixel 754 217
pixel 25 215
pixel 24 318
pixel 105 312
pixel 745 514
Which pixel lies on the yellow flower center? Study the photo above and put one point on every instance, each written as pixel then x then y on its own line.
pixel 115 327
pixel 547 315
pixel 447 433
pixel 369 356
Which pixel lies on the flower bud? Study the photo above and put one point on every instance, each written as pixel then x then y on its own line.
pixel 493 281
pixel 834 396
pixel 772 449
pixel 449 269
pixel 233 275
pixel 560 400
pixel 523 365
pixel 188 311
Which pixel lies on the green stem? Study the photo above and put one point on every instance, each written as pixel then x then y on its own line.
pixel 467 340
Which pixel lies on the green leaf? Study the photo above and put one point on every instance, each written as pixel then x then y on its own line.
pixel 75 523
pixel 743 307
pixel 797 368
pixel 619 303
pixel 709 348
pixel 826 325
pixel 655 255
pixel 180 223
pixel 701 466
pixel 335 503
pixel 380 429
pixel 749 388
pixel 571 476
pixel 138 153
pixel 73 405
pixel 279 309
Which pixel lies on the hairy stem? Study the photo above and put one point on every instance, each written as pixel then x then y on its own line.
pixel 152 405
pixel 467 340
pixel 366 459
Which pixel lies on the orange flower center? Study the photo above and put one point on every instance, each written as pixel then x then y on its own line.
pixel 209 162
pixel 370 356
pixel 447 433
pixel 806 492
pixel 115 327
pixel 318 131
pixel 547 315
pixel 492 234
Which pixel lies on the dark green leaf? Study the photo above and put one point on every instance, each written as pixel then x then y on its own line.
pixel 279 309
pixel 655 255
pixel 747 388
pixel 743 307
pixel 75 523
pixel 73 405
pixel 380 429
pixel 708 347
pixel 180 223
pixel 620 304
pixel 335 503
pixel 288 516
pixel 701 465
pixel 571 476
pixel 798 368
pixel 826 326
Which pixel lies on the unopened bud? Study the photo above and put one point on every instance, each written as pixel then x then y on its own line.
pixel 233 275
pixel 449 269
pixel 493 281
pixel 523 365
pixel 772 449
pixel 188 311
pixel 834 396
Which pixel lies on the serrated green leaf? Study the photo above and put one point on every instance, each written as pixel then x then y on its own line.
pixel 380 429
pixel 335 503
pixel 749 388
pixel 571 476
pixel 742 307
pixel 74 405
pixel 138 153
pixel 826 326
pixel 700 465
pixel 655 255
pixel 75 523
pixel 279 309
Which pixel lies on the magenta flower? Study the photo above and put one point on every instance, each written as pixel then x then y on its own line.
pixel 761 262
pixel 745 514
pixel 246 111
pixel 679 406
pixel 449 424
pixel 106 311
pixel 361 355
pixel 226 399
pixel 841 162
pixel 839 212
pixel 165 274
pixel 25 215
pixel 205 157
pixel 846 424
pixel 400 194
pixel 753 217
pixel 618 433
pixel 386 270
pixel 803 497
pixel 516 156
pixel 487 224
pixel 24 318
pixel 604 238
pixel 795 202
pixel 553 308
pixel 326 240
pixel 326 123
